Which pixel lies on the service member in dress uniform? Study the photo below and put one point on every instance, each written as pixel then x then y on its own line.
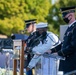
pixel 31 28
pixel 68 49
pixel 47 41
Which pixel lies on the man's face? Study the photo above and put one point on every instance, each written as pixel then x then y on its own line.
pixel 29 29
pixel 67 18
pixel 41 30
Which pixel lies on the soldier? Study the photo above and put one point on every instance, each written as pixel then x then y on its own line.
pixel 31 28
pixel 47 41
pixel 68 49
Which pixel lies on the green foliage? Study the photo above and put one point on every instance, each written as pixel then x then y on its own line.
pixel 14 12
pixel 13 24
pixel 55 18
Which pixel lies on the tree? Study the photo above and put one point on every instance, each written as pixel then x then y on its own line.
pixel 14 12
pixel 55 18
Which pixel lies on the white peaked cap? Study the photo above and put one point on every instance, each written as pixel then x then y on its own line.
pixel 41 25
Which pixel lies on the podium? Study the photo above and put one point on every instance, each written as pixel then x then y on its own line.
pixel 18 46
pixel 48 65
pixel 18 51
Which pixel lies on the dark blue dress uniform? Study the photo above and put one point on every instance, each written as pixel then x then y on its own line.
pixel 68 49
pixel 29 42
pixel 30 39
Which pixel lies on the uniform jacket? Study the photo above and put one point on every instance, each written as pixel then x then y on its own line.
pixel 28 41
pixel 68 50
pixel 49 42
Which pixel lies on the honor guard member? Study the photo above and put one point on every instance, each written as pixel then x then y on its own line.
pixel 31 28
pixel 47 41
pixel 68 49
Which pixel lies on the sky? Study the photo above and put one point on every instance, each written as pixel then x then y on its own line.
pixel 53 1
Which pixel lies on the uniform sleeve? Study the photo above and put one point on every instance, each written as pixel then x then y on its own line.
pixel 40 49
pixel 49 43
pixel 56 48
pixel 34 61
pixel 69 49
